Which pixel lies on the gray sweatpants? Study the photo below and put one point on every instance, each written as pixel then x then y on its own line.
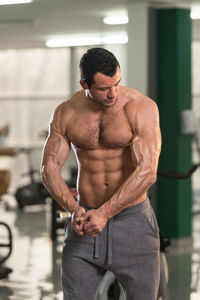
pixel 128 246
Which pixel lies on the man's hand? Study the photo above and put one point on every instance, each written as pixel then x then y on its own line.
pixel 94 221
pixel 78 221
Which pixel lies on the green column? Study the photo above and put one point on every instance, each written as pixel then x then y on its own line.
pixel 174 95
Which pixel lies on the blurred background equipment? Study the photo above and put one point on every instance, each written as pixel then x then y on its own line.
pixel 34 192
pixel 6 235
pixel 4 131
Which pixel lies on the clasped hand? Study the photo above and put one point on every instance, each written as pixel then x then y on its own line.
pixel 91 222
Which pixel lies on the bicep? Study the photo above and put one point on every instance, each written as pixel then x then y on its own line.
pixel 57 148
pixel 146 145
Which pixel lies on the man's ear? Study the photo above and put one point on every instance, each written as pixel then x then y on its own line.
pixel 84 84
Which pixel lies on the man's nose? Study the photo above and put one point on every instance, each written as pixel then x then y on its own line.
pixel 112 92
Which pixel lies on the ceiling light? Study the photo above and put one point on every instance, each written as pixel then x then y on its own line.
pixel 88 40
pixel 195 12
pixel 115 39
pixel 72 41
pixel 8 2
pixel 116 20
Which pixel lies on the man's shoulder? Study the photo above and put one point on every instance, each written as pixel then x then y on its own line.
pixel 137 100
pixel 138 104
pixel 76 97
pixel 70 103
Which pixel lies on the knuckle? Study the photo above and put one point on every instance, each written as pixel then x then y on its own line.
pixel 92 223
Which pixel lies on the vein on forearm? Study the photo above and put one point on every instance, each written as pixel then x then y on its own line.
pixel 55 154
pixel 139 181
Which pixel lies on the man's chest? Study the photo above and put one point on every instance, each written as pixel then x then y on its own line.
pixel 91 132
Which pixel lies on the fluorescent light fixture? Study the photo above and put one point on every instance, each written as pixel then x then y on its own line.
pixel 115 39
pixel 8 2
pixel 75 40
pixel 116 20
pixel 88 40
pixel 195 12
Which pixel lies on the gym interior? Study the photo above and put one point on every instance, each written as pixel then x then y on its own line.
pixel 41 42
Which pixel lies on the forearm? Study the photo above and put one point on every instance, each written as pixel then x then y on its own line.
pixel 130 191
pixel 58 189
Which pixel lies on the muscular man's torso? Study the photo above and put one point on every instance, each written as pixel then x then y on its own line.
pixel 101 141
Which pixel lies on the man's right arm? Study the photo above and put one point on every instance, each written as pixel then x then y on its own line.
pixel 55 154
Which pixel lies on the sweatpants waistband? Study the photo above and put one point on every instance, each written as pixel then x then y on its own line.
pixel 133 209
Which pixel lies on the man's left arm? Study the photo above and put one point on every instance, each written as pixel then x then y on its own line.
pixel 145 148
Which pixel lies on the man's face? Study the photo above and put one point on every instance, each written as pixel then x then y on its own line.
pixel 105 89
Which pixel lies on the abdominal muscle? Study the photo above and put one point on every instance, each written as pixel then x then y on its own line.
pixel 101 173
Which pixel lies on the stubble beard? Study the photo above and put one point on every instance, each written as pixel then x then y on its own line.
pixel 110 104
pixel 102 103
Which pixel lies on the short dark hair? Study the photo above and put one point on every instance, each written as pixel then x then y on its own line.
pixel 97 60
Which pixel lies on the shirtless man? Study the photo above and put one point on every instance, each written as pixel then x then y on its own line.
pixel 114 132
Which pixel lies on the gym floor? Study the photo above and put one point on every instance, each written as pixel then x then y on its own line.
pixel 35 259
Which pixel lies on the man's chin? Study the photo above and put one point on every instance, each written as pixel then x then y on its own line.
pixel 110 102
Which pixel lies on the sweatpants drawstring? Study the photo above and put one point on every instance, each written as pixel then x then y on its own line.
pixel 96 246
pixel 109 243
pixel 97 239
